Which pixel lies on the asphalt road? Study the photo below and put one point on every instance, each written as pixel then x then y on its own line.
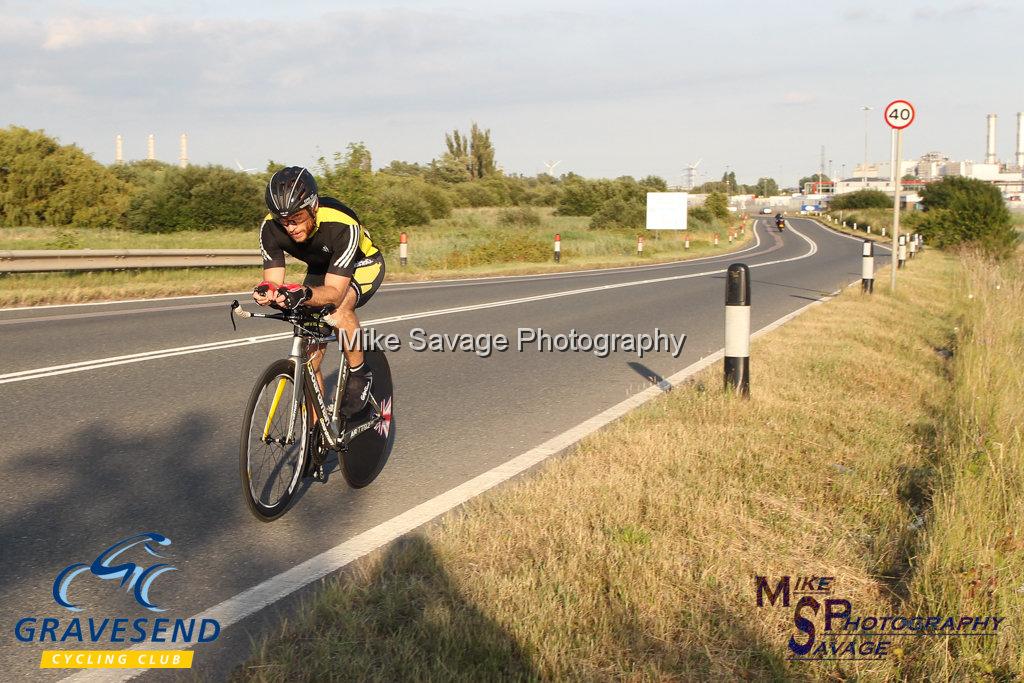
pixel 98 451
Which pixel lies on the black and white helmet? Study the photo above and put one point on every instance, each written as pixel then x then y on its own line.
pixel 291 190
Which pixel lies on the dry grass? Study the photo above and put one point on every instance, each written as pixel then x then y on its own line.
pixel 634 557
pixel 971 558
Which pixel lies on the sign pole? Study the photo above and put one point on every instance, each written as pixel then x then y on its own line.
pixel 897 145
pixel 898 115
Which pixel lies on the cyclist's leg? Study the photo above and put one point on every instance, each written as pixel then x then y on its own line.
pixel 315 352
pixel 366 280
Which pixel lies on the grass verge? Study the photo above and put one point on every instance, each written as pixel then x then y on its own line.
pixel 864 454
pixel 470 244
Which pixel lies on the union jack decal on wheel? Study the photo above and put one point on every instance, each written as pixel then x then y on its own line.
pixel 383 427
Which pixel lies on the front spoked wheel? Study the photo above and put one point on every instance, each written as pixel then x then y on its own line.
pixel 273 442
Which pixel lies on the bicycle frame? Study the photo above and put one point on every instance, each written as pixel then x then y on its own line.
pixel 336 437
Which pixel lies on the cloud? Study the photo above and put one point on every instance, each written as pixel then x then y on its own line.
pixel 794 97
pixel 959 11
pixel 71 32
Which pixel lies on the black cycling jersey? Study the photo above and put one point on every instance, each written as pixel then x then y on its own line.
pixel 338 241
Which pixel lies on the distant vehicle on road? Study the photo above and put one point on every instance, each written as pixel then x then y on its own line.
pixel 767 210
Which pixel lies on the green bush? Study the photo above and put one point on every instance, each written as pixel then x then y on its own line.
pixel 499 246
pixel 620 214
pixel 520 216
pixel 406 206
pixel 476 195
pixel 967 211
pixel 701 214
pixel 46 183
pixel 861 199
pixel 717 204
pixel 196 198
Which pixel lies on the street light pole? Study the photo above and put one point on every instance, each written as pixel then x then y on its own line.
pixel 864 169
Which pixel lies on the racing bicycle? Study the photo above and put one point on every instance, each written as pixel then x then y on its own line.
pixel 288 431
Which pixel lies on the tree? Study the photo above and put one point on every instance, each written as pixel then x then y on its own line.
pixel 47 183
pixel 817 177
pixel 967 211
pixel 729 179
pixel 766 187
pixel 718 204
pixel 474 152
pixel 861 199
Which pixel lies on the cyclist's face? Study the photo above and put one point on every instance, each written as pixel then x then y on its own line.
pixel 298 225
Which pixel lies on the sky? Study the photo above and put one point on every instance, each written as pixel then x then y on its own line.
pixel 606 88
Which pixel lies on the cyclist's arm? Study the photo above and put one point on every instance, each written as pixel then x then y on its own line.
pixel 331 292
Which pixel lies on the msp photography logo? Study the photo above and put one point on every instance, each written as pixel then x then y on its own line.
pixel 126 566
pixel 827 628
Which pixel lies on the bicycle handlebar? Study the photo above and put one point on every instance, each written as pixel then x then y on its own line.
pixel 298 317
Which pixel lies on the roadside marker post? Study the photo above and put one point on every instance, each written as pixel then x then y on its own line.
pixel 854 225
pixel 686 244
pixel 867 268
pixel 558 247
pixel 898 115
pixel 730 238
pixel 403 249
pixel 868 229
pixel 913 245
pixel 883 232
pixel 901 257
pixel 737 329
pixel 639 245
pixel 716 239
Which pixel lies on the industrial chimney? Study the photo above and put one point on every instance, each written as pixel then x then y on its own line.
pixel 151 147
pixel 183 159
pixel 990 154
pixel 119 149
pixel 1020 140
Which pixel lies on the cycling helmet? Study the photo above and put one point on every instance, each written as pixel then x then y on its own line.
pixel 291 190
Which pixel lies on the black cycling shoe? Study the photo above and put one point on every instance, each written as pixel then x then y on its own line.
pixel 357 393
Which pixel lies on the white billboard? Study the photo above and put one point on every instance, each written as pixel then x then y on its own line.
pixel 666 210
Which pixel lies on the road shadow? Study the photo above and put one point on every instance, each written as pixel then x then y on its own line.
pixel 406 619
pixel 650 376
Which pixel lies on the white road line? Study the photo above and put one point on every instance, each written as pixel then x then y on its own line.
pixel 424 284
pixel 81 366
pixel 251 601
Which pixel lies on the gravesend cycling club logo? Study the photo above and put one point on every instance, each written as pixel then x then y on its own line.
pixel 828 629
pixel 137 578
pixel 132 564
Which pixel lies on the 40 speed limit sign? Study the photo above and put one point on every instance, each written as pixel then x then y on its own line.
pixel 899 114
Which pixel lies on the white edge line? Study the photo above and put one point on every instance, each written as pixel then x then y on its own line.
pixel 82 366
pixel 414 283
pixel 252 600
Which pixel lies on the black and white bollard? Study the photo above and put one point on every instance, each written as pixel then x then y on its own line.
pixel 913 245
pixel 854 225
pixel 716 239
pixel 901 252
pixel 737 329
pixel 686 244
pixel 869 229
pixel 558 247
pixel 867 268
pixel 730 238
pixel 403 249
pixel 639 245
pixel 883 232
pixel 920 242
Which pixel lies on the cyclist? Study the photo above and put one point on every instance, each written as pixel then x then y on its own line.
pixel 344 267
